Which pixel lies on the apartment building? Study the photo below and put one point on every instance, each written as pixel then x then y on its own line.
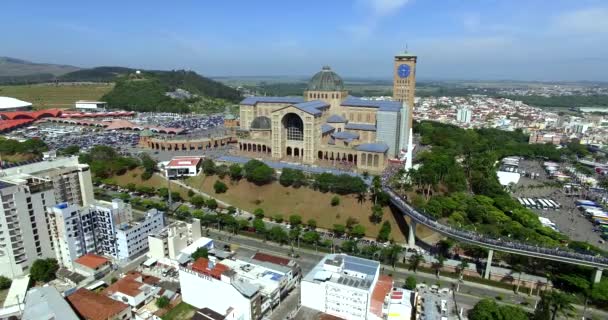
pixel 71 180
pixel 206 284
pixel 172 239
pixel 24 232
pixel 132 236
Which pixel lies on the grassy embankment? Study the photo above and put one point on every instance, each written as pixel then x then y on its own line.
pixel 45 96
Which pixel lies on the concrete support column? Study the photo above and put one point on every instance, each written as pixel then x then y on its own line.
pixel 486 274
pixel 411 235
pixel 597 275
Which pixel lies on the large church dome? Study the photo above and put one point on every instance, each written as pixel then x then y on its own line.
pixel 326 80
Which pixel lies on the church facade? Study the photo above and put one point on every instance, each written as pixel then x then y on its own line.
pixel 326 126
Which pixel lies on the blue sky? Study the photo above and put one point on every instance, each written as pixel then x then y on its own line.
pixel 454 39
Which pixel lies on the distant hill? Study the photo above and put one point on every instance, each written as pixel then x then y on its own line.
pixel 21 69
pixel 98 74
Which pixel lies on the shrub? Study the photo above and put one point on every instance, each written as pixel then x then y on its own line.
pixel 5 283
pixel 410 283
pixel 219 187
pixel 258 213
pixel 335 200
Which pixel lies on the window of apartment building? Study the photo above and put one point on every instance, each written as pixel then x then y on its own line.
pixel 28 199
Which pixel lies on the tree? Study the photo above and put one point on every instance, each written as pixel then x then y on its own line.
pixel 259 226
pixel 70 150
pixel 292 177
pixel 295 220
pixel 461 267
pixel 197 201
pixel 258 213
pixel 278 234
pixel 437 265
pixel 415 261
pixel 258 172
pixel 5 283
pixel 162 302
pixel 350 222
pixel 43 270
pixel 391 253
pixel 236 172
pixel 335 201
pixel 278 218
pixel 219 187
pixel 191 193
pixel 358 231
pixel 312 223
pixel 553 303
pixel 385 232
pixel 377 214
pixel 211 204
pixel 243 224
pixel 208 167
pixel 349 246
pixel 339 229
pixel 410 283
pixel 311 237
pixel 488 309
pixel 201 252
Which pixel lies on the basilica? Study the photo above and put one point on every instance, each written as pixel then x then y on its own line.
pixel 326 126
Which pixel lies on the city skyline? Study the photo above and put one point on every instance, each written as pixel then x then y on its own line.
pixel 485 40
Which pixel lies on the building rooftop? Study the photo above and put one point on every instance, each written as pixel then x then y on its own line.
pixel 255 100
pixel 205 266
pixel 267 279
pixel 207 314
pixel 360 126
pixel 326 80
pixel 131 284
pixel 92 306
pixel 336 118
pixel 326 128
pixel 46 303
pixel 17 291
pixel 260 256
pixel 313 107
pixel 92 261
pixel 377 147
pixel 184 161
pixel 381 105
pixel 12 103
pixel 345 135
pixel 382 288
pixel 345 270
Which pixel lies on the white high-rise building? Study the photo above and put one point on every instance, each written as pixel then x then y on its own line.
pixel 463 115
pixel 103 228
pixel 71 180
pixel 24 233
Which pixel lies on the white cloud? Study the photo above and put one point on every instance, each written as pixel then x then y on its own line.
pixel 384 7
pixel 375 11
pixel 584 21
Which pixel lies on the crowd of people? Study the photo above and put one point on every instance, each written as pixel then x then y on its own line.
pixel 482 239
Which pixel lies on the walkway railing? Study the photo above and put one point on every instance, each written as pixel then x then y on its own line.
pixel 556 254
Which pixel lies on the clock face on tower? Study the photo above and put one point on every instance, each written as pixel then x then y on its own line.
pixel 403 71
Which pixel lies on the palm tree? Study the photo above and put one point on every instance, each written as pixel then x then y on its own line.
pixel 553 303
pixel 519 269
pixel 415 261
pixel 460 268
pixel 437 265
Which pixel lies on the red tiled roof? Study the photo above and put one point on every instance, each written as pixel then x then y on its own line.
pixel 12 124
pixel 15 115
pixel 382 288
pixel 92 306
pixel 202 265
pixel 179 162
pixel 128 285
pixel 270 258
pixel 92 261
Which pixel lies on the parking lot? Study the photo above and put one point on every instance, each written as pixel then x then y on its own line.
pixel 568 219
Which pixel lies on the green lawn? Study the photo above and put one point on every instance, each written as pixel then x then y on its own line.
pixel 44 96
pixel 182 311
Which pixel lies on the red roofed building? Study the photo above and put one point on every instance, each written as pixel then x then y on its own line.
pixel 133 289
pixel 202 265
pixel 92 265
pixel 381 290
pixel 183 167
pixel 92 306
